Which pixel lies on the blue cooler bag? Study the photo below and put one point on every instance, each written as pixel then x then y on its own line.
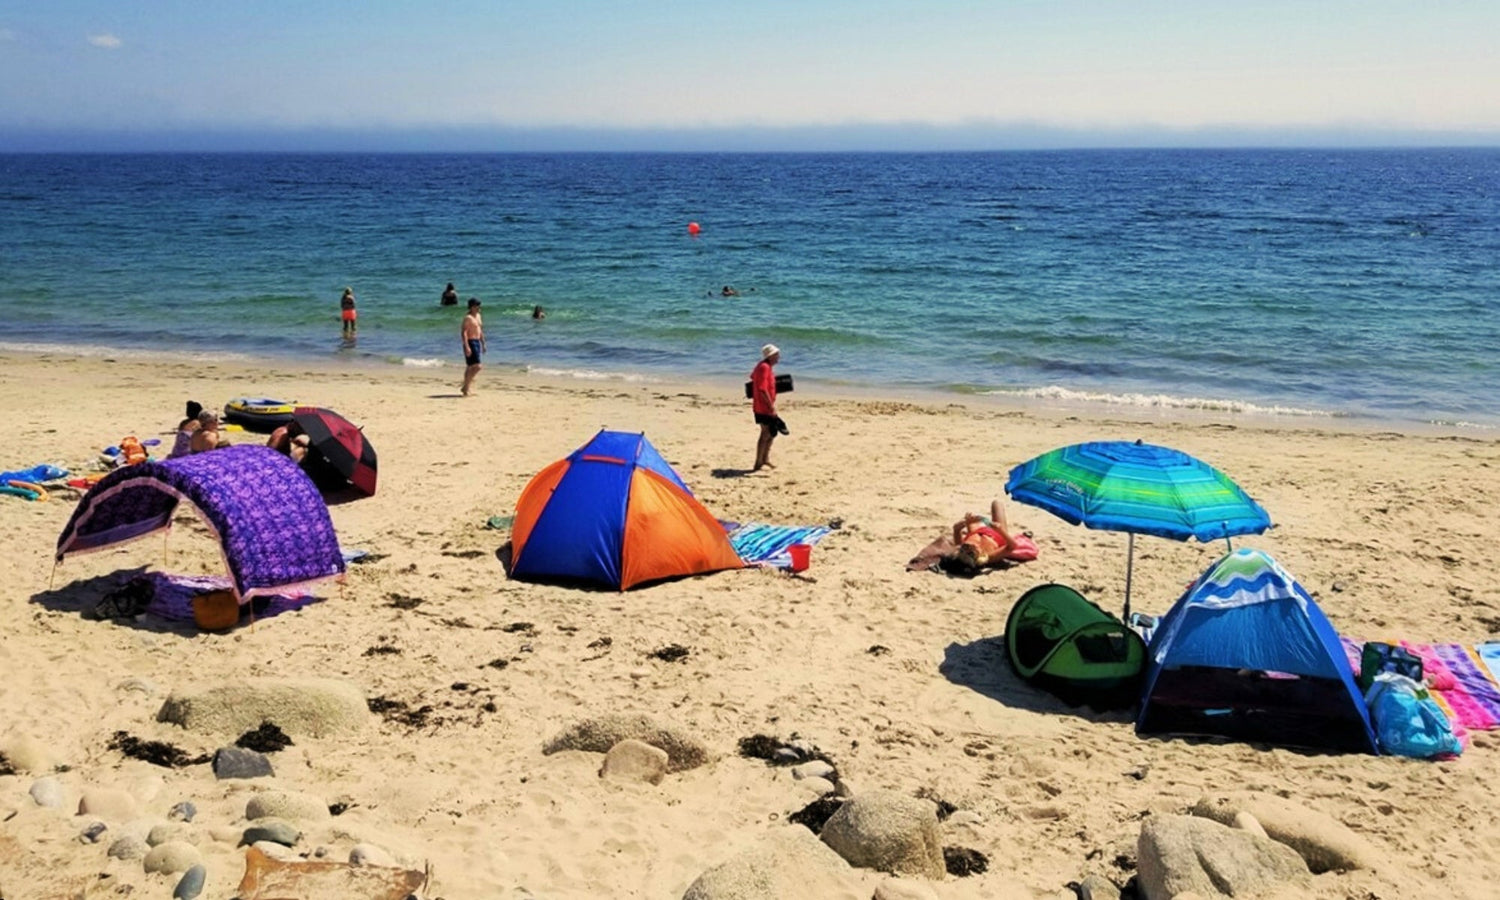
pixel 1407 720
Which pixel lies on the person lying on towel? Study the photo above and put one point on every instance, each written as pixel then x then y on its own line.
pixel 985 541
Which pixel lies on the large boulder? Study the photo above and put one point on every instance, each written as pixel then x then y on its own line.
pixel 1324 843
pixel 787 863
pixel 888 831
pixel 599 734
pixel 298 706
pixel 1177 854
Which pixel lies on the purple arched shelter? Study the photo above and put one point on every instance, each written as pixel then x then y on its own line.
pixel 272 525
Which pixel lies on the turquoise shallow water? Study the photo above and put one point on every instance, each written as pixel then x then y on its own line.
pixel 1347 283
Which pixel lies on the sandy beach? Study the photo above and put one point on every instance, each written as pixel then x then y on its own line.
pixel 898 676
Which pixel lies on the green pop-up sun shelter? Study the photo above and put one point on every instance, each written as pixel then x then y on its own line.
pixel 1066 645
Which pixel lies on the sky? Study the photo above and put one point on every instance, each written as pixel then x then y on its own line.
pixel 753 74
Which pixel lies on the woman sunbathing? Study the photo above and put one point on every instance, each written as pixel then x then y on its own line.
pixel 207 437
pixel 983 540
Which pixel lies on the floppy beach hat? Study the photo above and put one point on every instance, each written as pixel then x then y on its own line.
pixel 769 351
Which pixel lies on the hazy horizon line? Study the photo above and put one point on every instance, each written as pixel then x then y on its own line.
pixel 873 138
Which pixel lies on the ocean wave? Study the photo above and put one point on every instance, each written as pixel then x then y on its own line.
pixel 100 350
pixel 586 374
pixel 427 363
pixel 1160 401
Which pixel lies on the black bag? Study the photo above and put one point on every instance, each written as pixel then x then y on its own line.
pixel 783 386
pixel 1376 657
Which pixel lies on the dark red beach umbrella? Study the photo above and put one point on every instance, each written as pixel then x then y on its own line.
pixel 341 445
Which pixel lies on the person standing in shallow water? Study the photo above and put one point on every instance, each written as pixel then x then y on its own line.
pixel 763 403
pixel 450 296
pixel 347 313
pixel 471 335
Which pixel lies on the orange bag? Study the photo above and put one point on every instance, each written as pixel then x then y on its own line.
pixel 131 451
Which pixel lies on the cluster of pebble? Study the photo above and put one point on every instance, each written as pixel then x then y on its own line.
pixel 125 825
pixel 171 847
pixel 880 830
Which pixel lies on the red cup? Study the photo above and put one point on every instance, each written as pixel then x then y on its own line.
pixel 801 554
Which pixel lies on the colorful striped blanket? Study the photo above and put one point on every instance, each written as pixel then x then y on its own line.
pixel 765 545
pixel 1457 677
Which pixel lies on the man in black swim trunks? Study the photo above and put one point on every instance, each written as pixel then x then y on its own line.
pixel 763 404
pixel 471 335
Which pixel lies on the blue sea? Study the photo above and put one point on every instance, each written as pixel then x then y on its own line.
pixel 1360 284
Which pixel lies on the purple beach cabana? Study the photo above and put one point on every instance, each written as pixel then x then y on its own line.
pixel 267 515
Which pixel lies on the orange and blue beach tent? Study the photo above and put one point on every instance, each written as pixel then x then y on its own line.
pixel 614 512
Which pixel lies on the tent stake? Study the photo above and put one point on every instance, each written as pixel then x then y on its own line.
pixel 52 579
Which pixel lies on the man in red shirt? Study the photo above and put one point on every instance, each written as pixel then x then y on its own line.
pixel 763 402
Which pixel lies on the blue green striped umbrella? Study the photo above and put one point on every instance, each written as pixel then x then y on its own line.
pixel 1137 488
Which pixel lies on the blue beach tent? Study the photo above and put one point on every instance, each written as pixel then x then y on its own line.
pixel 614 512
pixel 1247 654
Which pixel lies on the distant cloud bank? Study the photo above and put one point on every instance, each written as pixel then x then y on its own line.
pixel 107 41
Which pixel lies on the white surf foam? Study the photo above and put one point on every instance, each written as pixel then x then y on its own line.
pixel 1058 394
pixel 1463 425
pixel 99 350
pixel 586 374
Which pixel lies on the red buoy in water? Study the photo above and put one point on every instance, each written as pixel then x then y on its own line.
pixel 693 229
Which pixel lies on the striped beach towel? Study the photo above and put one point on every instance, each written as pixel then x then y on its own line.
pixel 759 544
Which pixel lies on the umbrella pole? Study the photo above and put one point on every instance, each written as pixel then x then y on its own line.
pixel 1129 565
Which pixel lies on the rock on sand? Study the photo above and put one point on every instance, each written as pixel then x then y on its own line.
pixel 788 862
pixel 1176 854
pixel 598 735
pixel 888 831
pixel 1325 843
pixel 172 857
pixel 237 762
pixel 904 889
pixel 277 831
pixel 300 706
pixel 27 755
pixel 632 760
pixel 290 805
pixel 108 804
pixel 128 847
pixel 371 855
pixel 47 792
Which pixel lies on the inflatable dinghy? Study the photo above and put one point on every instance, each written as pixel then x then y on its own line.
pixel 259 413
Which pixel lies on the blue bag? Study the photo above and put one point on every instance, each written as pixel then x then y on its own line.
pixel 1407 720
